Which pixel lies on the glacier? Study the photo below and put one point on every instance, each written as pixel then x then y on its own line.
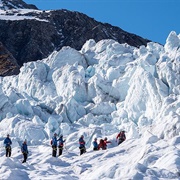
pixel 97 91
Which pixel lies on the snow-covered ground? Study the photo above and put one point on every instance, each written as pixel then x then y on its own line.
pixel 96 92
pixel 17 14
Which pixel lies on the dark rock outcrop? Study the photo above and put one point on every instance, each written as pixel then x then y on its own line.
pixel 8 64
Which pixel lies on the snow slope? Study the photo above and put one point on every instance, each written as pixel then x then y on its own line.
pixel 96 92
pixel 20 14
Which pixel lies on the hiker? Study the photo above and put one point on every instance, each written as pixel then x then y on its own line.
pixel 95 144
pixel 106 142
pixel 24 150
pixel 54 145
pixel 8 143
pixel 61 144
pixel 121 136
pixel 101 145
pixel 82 145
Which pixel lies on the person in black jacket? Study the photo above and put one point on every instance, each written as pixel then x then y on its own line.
pixel 121 137
pixel 61 144
pixel 82 145
pixel 24 150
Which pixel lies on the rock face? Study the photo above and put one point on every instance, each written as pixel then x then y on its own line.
pixel 8 64
pixel 33 34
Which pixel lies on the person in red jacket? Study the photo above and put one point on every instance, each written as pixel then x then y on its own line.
pixel 106 142
pixel 103 143
pixel 121 137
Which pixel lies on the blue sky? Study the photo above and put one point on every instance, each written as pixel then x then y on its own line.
pixel 151 19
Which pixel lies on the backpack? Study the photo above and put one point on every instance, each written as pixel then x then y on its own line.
pixel 102 144
pixel 101 141
pixel 51 142
pixel 122 136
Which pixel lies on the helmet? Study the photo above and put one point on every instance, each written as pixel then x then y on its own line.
pixel 61 135
pixel 95 139
pixel 105 138
pixel 55 134
pixel 82 136
pixel 7 134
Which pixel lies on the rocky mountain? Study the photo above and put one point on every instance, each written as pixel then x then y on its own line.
pixel 8 64
pixel 31 34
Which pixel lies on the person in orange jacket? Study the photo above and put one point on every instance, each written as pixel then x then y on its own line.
pixel 121 137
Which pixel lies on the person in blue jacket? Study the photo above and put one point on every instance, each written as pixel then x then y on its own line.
pixel 61 144
pixel 95 144
pixel 8 143
pixel 54 145
pixel 82 145
pixel 24 150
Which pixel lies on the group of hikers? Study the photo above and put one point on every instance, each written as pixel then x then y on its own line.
pixel 59 143
pixel 96 146
pixel 24 148
pixel 54 143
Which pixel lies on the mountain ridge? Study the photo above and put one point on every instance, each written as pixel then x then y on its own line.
pixel 32 35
